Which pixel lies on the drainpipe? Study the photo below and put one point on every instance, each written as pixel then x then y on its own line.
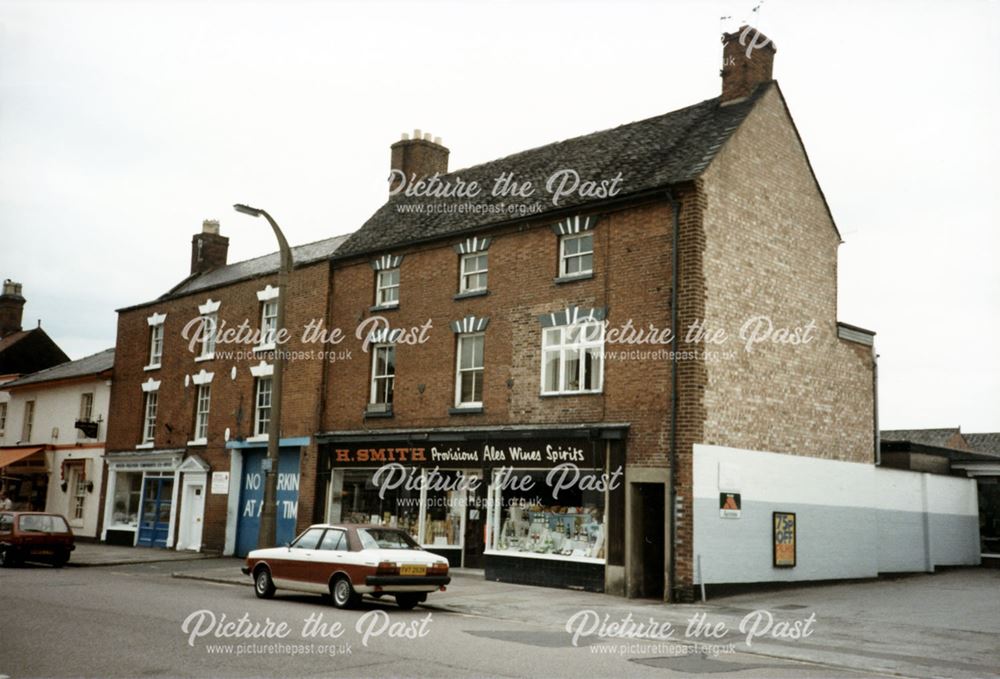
pixel 878 435
pixel 674 279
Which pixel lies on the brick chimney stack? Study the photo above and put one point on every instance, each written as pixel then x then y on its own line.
pixel 11 308
pixel 423 156
pixel 747 60
pixel 209 249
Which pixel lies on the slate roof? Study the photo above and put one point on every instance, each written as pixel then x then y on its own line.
pixel 27 351
pixel 938 438
pixel 250 268
pixel 94 364
pixel 984 443
pixel 650 154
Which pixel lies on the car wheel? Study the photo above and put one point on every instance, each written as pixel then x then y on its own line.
pixel 8 557
pixel 343 593
pixel 263 586
pixel 60 559
pixel 408 601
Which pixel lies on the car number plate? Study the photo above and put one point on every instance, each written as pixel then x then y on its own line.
pixel 42 552
pixel 413 570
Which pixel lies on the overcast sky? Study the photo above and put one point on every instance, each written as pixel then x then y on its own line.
pixel 124 124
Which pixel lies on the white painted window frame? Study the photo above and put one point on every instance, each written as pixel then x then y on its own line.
pixel 375 377
pixel 382 290
pixel 562 347
pixel 465 273
pixel 460 371
pixel 564 258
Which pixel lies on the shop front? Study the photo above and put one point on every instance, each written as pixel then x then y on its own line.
pixel 530 506
pixel 140 498
pixel 24 477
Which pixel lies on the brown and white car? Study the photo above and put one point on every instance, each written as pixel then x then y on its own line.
pixel 347 561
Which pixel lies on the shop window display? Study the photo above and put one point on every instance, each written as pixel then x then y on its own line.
pixel 444 507
pixel 528 520
pixel 363 503
pixel 128 488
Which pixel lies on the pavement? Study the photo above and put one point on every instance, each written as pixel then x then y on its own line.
pixel 921 625
pixel 89 554
pixel 130 616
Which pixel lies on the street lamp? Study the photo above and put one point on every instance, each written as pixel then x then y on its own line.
pixel 267 535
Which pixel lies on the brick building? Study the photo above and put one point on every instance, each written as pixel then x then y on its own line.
pixel 630 378
pixel 191 417
pixel 709 215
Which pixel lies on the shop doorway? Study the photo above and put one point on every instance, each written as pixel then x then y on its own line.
pixel 475 528
pixel 650 512
pixel 157 500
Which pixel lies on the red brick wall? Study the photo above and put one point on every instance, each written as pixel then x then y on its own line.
pixel 232 404
pixel 631 278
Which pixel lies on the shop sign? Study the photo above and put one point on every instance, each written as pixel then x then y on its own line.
pixel 730 505
pixel 523 453
pixel 783 525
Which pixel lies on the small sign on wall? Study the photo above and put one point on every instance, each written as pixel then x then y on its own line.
pixel 730 505
pixel 783 524
pixel 220 483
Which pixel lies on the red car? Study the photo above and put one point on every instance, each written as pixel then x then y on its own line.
pixel 347 561
pixel 34 536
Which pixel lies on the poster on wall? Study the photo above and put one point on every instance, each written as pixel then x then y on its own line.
pixel 784 539
pixel 220 483
pixel 730 506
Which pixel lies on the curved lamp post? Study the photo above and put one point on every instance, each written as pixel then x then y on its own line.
pixel 267 535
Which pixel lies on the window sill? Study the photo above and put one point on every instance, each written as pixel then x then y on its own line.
pixel 466 410
pixel 561 280
pixel 371 413
pixel 144 446
pixel 261 348
pixel 556 394
pixel 155 366
pixel 385 307
pixel 259 438
pixel 206 357
pixel 198 442
pixel 471 293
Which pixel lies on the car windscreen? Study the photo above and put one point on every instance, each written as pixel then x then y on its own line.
pixel 42 523
pixel 381 538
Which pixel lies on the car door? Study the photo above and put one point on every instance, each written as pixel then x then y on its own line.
pixel 299 562
pixel 330 556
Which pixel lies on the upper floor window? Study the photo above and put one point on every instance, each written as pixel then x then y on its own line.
pixel 387 280
pixel 572 358
pixel 29 421
pixel 155 340
pixel 202 405
pixel 3 417
pixel 268 322
pixel 469 371
pixel 473 272
pixel 149 417
pixel 86 411
pixel 262 409
pixel 209 326
pixel 268 298
pixel 87 406
pixel 383 374
pixel 576 254
pixel 387 288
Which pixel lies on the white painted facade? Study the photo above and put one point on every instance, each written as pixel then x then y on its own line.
pixel 853 520
pixel 71 459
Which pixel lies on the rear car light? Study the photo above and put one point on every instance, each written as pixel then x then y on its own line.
pixel 437 569
pixel 387 568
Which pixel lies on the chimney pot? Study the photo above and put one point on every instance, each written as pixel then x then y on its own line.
pixel 404 136
pixel 210 226
pixel 422 156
